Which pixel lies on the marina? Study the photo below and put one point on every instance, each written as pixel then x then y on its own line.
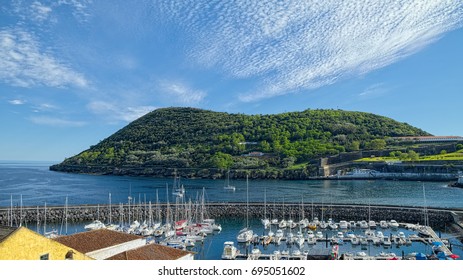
pixel 397 243
pixel 304 219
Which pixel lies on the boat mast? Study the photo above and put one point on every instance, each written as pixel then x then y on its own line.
pixel 158 208
pixel 247 202
pixel 167 205
pixel 426 219
pixel 38 220
pixel 21 210
pixel 121 215
pixel 265 203
pixel 45 218
pixel 66 216
pixel 130 199
pixel 110 214
pixel 10 212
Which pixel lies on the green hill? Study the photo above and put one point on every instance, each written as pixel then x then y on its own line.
pixel 194 138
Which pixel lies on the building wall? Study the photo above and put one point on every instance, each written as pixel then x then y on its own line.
pixel 188 257
pixel 25 244
pixel 114 250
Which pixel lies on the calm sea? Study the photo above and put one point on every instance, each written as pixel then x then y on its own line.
pixel 36 185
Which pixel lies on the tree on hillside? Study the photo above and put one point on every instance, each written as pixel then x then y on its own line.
pixel 376 144
pixel 412 155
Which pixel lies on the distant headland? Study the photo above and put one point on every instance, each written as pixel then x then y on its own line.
pixel 312 144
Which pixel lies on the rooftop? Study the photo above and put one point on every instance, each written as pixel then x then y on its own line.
pixel 93 240
pixel 151 252
pixel 5 231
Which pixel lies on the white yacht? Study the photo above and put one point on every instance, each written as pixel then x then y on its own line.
pixel 383 224
pixel 332 225
pixel 386 241
pixel 393 224
pixel 343 224
pixel 300 239
pixel 282 224
pixel 229 251
pixel 227 184
pixel 363 224
pixel 312 240
pixel 95 225
pixel 245 235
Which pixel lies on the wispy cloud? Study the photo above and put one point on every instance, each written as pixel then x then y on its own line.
pixel 56 122
pixel 374 90
pixel 24 64
pixel 114 112
pixel 180 93
pixel 42 11
pixel 44 107
pixel 17 102
pixel 297 45
pixel 39 11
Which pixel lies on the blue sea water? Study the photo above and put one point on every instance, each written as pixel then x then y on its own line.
pixel 38 185
pixel 34 184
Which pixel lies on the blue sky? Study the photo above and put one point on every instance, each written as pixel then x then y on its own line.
pixel 73 72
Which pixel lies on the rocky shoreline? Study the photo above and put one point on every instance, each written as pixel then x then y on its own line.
pixel 83 213
pixel 271 174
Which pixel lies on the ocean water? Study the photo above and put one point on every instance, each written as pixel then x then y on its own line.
pixel 31 183
pixel 37 185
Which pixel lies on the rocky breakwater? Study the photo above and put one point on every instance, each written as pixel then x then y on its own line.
pixel 84 213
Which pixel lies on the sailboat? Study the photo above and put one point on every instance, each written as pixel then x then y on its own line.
pixel 423 230
pixel 178 189
pixel 96 224
pixel 227 185
pixel 49 234
pixel 265 220
pixel 245 235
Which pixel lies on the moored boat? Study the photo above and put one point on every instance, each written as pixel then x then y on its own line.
pixel 229 251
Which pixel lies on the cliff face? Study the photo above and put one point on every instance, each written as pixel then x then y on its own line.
pixel 197 140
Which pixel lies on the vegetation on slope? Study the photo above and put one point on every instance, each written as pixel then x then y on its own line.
pixel 411 155
pixel 194 138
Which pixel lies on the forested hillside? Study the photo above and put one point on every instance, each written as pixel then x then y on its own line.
pixel 194 138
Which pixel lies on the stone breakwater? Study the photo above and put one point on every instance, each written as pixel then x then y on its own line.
pixel 84 213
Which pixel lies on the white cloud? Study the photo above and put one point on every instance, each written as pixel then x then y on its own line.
pixel 44 107
pixel 374 91
pixel 115 112
pixel 297 45
pixel 180 93
pixel 57 122
pixel 23 64
pixel 17 102
pixel 80 8
pixel 39 11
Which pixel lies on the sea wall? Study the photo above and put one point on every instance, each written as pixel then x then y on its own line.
pixel 83 213
pixel 199 173
pixel 432 171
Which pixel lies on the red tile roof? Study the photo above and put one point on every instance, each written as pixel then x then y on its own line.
pixel 151 252
pixel 93 240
